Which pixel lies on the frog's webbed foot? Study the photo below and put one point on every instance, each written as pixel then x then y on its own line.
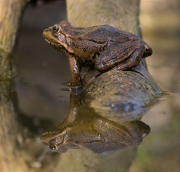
pixel 124 55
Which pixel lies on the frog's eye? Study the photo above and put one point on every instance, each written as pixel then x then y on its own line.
pixel 56 28
pixel 53 146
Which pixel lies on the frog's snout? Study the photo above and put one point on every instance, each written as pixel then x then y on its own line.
pixel 49 29
pixel 46 30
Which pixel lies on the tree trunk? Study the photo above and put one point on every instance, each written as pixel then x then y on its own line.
pixel 10 15
pixel 121 14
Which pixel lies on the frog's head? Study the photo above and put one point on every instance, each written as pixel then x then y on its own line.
pixel 58 36
pixel 53 139
pixel 59 141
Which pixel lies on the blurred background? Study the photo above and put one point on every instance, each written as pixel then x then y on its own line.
pixel 42 75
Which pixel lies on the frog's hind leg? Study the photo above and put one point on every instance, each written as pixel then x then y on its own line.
pixel 117 54
pixel 133 60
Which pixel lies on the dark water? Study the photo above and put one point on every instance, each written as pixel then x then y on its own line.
pixel 43 96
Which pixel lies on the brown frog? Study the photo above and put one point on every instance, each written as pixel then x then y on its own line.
pixel 94 132
pixel 102 47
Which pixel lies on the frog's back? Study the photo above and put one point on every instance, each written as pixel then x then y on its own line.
pixel 120 36
pixel 117 35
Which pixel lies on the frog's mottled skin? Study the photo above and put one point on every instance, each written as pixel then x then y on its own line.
pixel 103 47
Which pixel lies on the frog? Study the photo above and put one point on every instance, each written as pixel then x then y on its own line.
pixel 95 133
pixel 101 47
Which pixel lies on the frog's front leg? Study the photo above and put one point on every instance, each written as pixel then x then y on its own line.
pixel 124 55
pixel 75 73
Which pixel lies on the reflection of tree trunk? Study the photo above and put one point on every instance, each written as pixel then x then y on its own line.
pixel 10 13
pixel 123 15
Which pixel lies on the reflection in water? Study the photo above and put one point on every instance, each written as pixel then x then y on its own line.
pixel 105 115
pixel 86 128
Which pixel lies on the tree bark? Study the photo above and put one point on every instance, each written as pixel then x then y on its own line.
pixel 121 14
pixel 10 14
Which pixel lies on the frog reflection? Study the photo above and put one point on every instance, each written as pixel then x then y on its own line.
pixel 85 128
